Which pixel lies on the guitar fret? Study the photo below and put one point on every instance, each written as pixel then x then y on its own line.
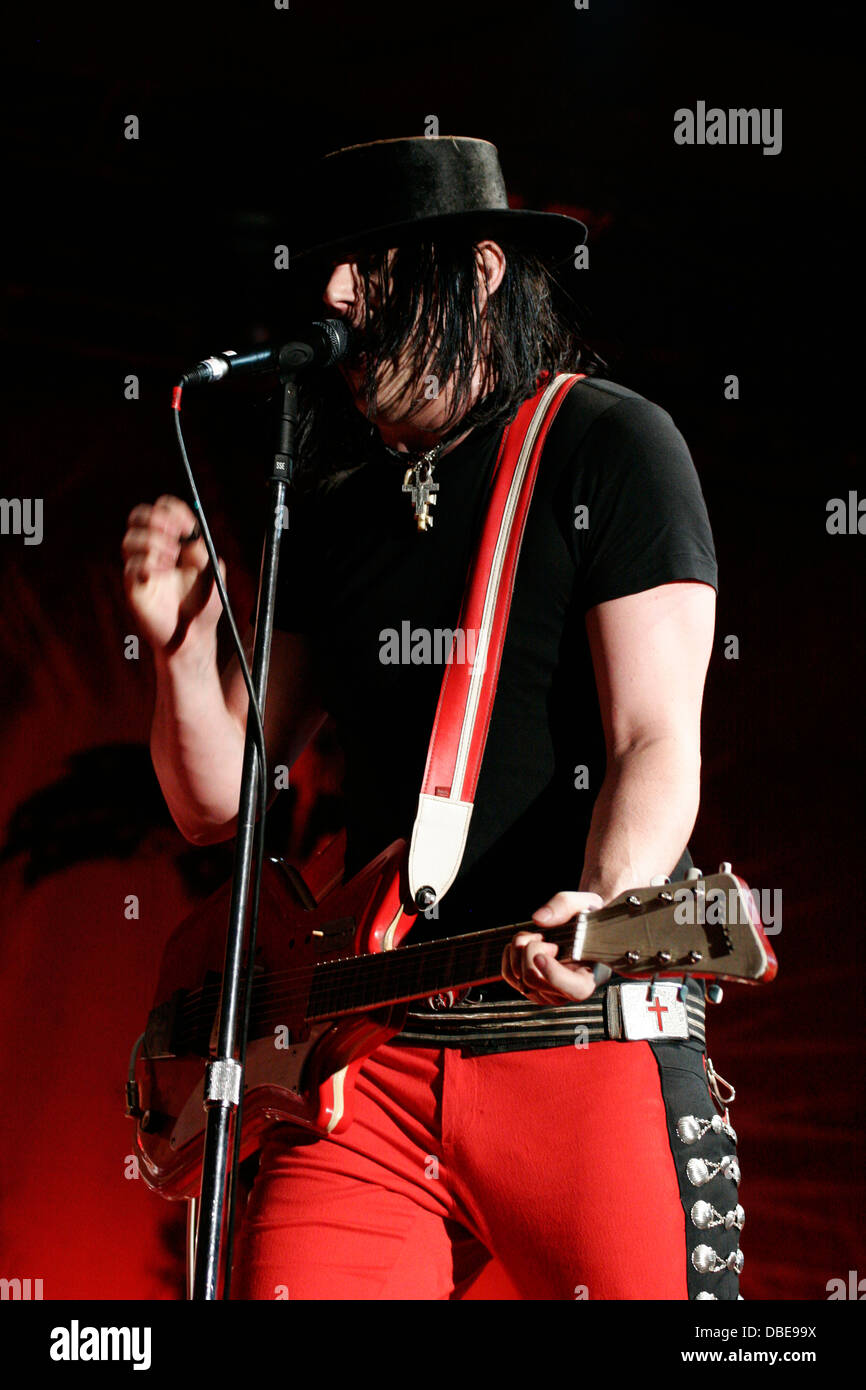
pixel 353 983
pixel 408 972
pixel 350 984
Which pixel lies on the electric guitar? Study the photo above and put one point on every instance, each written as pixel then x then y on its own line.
pixel 331 982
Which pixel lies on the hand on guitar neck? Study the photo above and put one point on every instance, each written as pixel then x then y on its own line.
pixel 529 962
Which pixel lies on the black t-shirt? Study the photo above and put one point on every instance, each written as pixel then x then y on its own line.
pixel 355 566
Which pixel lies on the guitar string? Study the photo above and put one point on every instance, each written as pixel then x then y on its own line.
pixel 331 978
pixel 433 951
pixel 267 1011
pixel 268 998
pixel 437 951
pixel 328 979
pixel 334 974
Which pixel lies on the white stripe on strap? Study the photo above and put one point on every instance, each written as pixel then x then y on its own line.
pixel 442 822
pixel 492 596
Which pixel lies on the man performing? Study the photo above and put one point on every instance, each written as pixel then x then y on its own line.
pixel 519 1121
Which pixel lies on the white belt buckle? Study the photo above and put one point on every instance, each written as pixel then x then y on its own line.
pixel 663 1016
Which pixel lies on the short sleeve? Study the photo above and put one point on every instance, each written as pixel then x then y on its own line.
pixel 640 518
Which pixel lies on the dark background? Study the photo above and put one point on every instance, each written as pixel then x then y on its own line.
pixel 139 257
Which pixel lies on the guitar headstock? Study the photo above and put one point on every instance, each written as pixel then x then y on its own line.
pixel 707 925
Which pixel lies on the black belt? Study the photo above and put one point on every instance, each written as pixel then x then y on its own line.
pixel 626 1011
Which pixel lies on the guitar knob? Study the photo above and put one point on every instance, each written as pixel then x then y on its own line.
pixel 715 994
pixel 425 898
pixel 724 867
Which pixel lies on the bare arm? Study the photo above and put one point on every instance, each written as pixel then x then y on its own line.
pixel 650 654
pixel 199 723
pixel 197 736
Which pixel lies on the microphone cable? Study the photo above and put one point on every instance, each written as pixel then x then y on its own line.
pixel 259 839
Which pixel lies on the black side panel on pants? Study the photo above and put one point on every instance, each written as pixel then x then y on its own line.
pixel 686 1092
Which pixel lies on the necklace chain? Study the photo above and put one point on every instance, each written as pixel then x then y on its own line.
pixel 416 456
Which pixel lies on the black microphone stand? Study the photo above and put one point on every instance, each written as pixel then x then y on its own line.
pixel 224 1074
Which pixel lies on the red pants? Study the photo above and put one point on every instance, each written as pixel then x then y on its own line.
pixel 558 1161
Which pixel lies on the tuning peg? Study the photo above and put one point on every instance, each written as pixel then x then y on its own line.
pixel 694 873
pixel 659 880
pixel 724 867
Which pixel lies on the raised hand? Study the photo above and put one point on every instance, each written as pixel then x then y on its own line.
pixel 167 577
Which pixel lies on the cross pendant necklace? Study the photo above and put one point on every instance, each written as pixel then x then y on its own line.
pixel 418 480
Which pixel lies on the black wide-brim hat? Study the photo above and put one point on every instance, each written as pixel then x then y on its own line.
pixel 379 194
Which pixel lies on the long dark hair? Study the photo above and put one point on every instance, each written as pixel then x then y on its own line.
pixel 426 299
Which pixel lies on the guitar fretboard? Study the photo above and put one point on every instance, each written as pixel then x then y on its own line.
pixel 352 984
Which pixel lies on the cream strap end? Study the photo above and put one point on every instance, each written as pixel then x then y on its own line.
pixel 438 841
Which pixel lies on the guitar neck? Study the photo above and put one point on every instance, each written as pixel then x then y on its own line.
pixel 705 927
pixel 413 972
pixel 708 929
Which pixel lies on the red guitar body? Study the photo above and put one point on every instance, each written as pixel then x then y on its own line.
pixel 296 1072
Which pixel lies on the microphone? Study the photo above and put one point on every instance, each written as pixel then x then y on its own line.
pixel 324 343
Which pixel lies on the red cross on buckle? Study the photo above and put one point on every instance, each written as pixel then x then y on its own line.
pixel 647 1013
pixel 658 1008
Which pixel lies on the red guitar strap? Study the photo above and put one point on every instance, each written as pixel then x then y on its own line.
pixel 468 687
